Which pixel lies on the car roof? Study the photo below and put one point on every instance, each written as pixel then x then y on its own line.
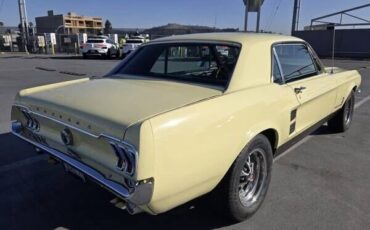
pixel 236 37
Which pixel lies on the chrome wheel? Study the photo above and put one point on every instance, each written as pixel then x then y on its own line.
pixel 252 177
pixel 348 111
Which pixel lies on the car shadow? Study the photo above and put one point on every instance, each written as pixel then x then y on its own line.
pixel 34 194
pixel 43 196
pixel 322 130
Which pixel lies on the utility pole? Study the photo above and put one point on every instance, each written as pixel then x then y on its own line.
pixel 258 19
pixel 296 10
pixel 246 2
pixel 24 22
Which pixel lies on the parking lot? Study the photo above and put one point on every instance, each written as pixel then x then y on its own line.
pixel 323 182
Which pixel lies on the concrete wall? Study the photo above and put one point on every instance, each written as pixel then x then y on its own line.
pixel 352 43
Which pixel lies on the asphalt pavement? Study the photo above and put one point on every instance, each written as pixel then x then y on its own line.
pixel 321 183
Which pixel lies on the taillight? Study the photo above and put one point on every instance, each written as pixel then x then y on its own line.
pixel 126 157
pixel 31 122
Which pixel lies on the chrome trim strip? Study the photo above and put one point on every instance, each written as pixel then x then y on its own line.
pixel 141 194
pixel 113 186
pixel 101 135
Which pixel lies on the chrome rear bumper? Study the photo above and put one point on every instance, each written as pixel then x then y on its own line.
pixel 140 195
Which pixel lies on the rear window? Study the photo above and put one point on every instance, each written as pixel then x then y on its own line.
pixel 95 41
pixel 203 63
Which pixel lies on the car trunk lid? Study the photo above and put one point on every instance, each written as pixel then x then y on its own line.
pixel 110 105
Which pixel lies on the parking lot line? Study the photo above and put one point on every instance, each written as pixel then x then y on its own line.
pixel 363 101
pixel 304 140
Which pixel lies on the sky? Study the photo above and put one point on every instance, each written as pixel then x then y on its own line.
pixel 276 15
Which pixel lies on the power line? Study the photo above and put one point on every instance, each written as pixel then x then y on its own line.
pixel 274 15
pixel 271 14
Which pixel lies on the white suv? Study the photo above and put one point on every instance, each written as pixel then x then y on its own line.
pixel 100 46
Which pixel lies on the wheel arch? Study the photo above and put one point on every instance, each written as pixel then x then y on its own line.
pixel 273 136
pixel 270 133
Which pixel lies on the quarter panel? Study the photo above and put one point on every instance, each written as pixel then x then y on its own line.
pixel 196 145
pixel 346 81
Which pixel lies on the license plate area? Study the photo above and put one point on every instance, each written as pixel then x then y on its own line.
pixel 75 172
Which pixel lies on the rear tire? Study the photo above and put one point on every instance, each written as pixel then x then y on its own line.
pixel 109 54
pixel 343 118
pixel 245 186
pixel 118 54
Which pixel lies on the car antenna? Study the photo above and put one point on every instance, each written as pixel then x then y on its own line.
pixel 333 51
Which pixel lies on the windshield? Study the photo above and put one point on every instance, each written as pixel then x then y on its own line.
pixel 202 63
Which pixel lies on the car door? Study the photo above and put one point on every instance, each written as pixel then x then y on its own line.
pixel 314 88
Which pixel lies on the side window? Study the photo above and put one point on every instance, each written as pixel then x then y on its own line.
pixel 296 61
pixel 277 76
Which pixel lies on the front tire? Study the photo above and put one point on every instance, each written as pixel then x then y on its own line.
pixel 343 119
pixel 246 184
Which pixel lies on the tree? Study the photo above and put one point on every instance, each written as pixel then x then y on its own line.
pixel 108 27
pixel 1 24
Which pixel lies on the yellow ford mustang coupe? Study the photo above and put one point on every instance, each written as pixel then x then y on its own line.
pixel 186 115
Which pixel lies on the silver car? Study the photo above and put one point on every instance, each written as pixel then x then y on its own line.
pixel 131 45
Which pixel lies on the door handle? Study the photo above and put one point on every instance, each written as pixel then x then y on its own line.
pixel 299 89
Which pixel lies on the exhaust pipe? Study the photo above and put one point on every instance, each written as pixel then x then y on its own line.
pixel 119 203
pixel 123 205
pixel 132 209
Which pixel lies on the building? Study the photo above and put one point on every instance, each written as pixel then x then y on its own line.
pixel 68 24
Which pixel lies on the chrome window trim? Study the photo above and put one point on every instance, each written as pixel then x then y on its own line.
pixel 275 56
pixel 292 43
pixel 317 60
